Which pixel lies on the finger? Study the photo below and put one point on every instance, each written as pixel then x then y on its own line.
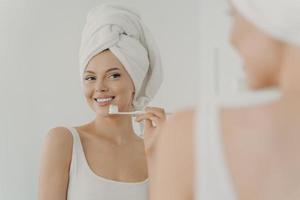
pixel 157 121
pixel 144 117
pixel 160 112
pixel 148 124
pixel 154 109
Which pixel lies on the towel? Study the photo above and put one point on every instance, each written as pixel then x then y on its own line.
pixel 278 18
pixel 121 30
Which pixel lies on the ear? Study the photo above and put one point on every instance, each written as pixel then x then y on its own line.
pixel 133 93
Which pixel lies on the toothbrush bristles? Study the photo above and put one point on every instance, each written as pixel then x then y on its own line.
pixel 113 109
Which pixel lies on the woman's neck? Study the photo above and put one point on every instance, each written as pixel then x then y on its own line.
pixel 114 127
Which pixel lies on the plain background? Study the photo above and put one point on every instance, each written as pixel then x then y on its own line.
pixel 39 71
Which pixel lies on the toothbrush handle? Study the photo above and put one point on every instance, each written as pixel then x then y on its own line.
pixel 130 113
pixel 143 112
pixel 136 113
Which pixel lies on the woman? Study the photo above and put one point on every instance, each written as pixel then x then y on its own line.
pixel 105 159
pixel 247 147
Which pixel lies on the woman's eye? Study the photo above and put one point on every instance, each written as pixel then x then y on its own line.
pixel 114 76
pixel 89 78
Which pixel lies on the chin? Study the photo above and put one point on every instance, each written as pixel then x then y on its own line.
pixel 102 114
pixel 258 85
pixel 255 87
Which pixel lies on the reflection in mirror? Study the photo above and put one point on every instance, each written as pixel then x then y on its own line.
pixel 43 88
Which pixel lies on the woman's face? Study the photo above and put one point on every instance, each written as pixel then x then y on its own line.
pixel 106 79
pixel 261 54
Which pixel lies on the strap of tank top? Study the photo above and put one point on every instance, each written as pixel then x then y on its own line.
pixel 75 150
pixel 212 176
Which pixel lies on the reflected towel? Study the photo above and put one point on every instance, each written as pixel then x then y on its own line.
pixel 279 18
pixel 120 29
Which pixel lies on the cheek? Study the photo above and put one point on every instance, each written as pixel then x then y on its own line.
pixel 87 91
pixel 123 94
pixel 238 33
pixel 251 50
pixel 255 63
pixel 260 66
pixel 261 52
pixel 233 36
pixel 123 88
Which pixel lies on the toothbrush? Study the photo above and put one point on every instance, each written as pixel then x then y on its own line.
pixel 113 109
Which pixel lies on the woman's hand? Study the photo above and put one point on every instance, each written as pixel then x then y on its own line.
pixel 154 120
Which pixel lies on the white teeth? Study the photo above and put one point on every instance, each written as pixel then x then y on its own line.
pixel 104 100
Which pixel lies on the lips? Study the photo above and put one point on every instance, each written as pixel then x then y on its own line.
pixel 104 100
pixel 104 97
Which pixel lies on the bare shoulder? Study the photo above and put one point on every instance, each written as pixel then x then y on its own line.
pixel 178 131
pixel 59 137
pixel 175 159
pixel 238 118
pixel 58 146
pixel 55 164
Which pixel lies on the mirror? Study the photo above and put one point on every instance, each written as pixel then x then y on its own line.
pixel 40 71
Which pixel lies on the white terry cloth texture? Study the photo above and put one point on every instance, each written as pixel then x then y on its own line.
pixel 121 30
pixel 278 18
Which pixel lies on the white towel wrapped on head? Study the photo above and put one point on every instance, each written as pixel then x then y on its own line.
pixel 120 29
pixel 278 18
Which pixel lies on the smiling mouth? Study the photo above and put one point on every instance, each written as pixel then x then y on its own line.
pixel 104 100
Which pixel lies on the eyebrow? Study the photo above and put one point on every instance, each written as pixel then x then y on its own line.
pixel 111 69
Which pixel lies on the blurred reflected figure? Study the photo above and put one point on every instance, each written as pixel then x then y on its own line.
pixel 246 147
pixel 104 158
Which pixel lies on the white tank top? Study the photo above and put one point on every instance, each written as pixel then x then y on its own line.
pixel 84 184
pixel 213 181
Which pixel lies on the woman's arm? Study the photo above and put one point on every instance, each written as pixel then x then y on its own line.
pixel 55 162
pixel 173 169
pixel 154 120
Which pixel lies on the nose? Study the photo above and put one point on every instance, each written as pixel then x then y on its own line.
pixel 102 90
pixel 101 87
